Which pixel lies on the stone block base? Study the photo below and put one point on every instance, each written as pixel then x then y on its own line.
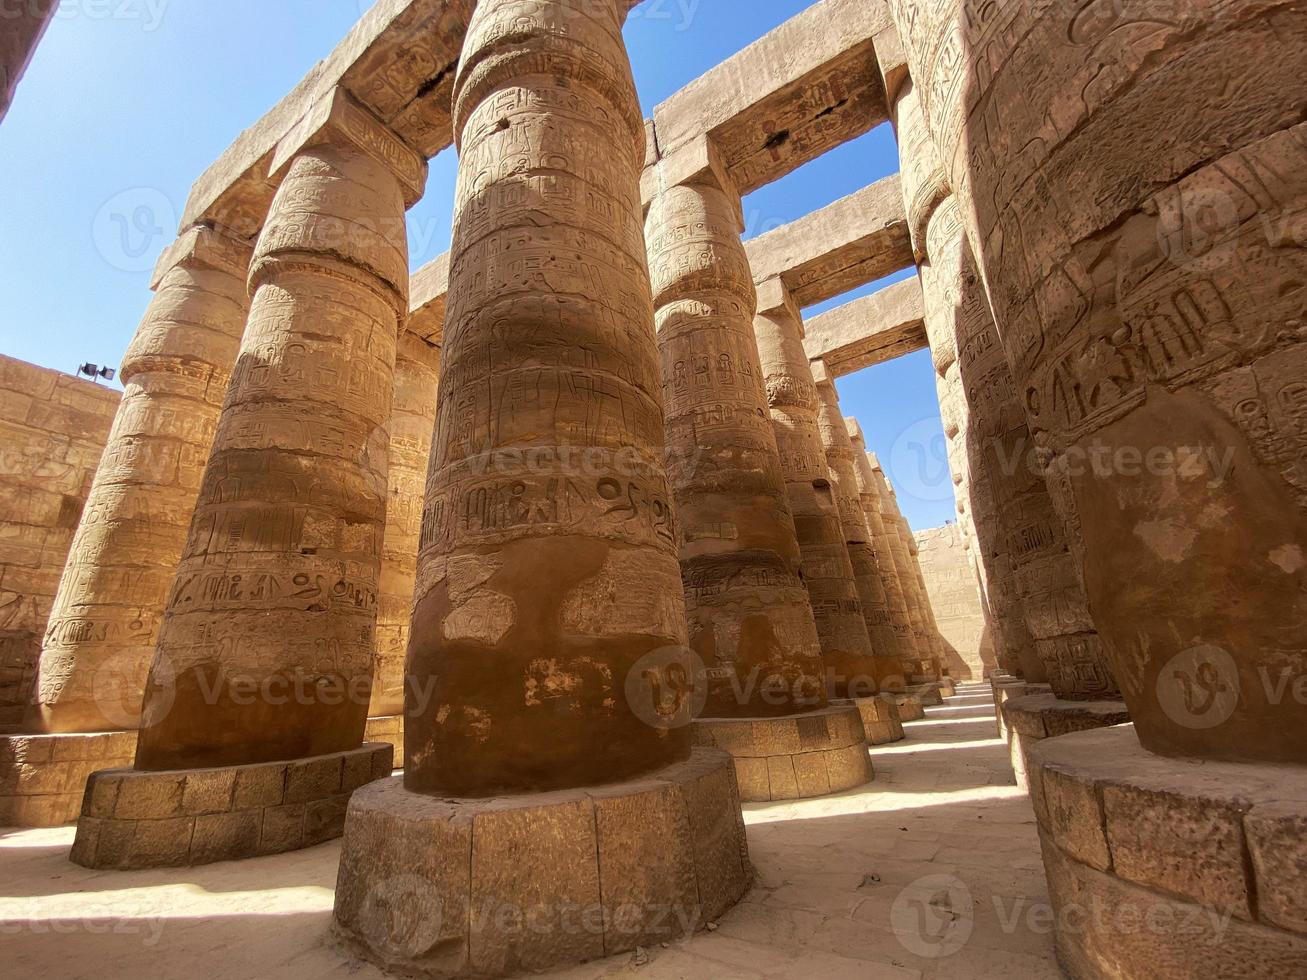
pixel 507 886
pixel 43 777
pixel 390 730
pixel 1005 690
pixel 947 688
pixel 1035 717
pixel 133 819
pixel 929 693
pixel 880 717
pixel 792 758
pixel 910 707
pixel 1164 867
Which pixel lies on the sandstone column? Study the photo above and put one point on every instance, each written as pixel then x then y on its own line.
pixel 751 620
pixel 265 652
pixel 417 368
pixel 827 569
pixel 1133 184
pixel 869 499
pixel 102 631
pixel 749 615
pixel 888 654
pixel 548 600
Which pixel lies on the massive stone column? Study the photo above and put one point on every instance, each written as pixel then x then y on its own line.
pixel 792 397
pixel 1133 186
pixel 750 617
pixel 548 600
pixel 887 663
pixel 265 652
pixel 869 499
pixel 412 419
pixel 100 640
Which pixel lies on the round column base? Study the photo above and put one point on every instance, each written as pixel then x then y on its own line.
pixel 1031 718
pixel 910 707
pixel 132 819
pixel 511 885
pixel 43 777
pixel 928 692
pixel 796 757
pixel 1170 867
pixel 388 729
pixel 880 717
pixel 947 687
pixel 1006 690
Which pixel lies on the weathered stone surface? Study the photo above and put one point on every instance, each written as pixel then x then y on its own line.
pixel 43 777
pixel 1129 212
pixel 807 87
pixel 134 820
pixel 856 240
pixel 102 632
pixel 548 567
pixel 468 887
pixel 411 430
pixel 1181 845
pixel 749 616
pixel 954 594
pixel 792 398
pixel 25 23
pixel 1028 716
pixel 881 719
pixel 267 646
pixel 53 428
pixel 877 328
pixel 794 757
pixel 884 669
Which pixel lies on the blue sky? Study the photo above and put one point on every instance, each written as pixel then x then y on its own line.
pixel 128 101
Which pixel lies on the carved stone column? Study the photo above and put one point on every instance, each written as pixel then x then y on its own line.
pixel 869 499
pixel 266 650
pixel 1133 182
pixel 827 569
pixel 102 632
pixel 548 602
pixel 887 662
pixel 412 420
pixel 100 637
pixel 750 617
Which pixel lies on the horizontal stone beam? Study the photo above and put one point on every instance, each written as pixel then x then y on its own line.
pixel 398 62
pixel 428 288
pixel 807 87
pixel 854 241
pixel 877 328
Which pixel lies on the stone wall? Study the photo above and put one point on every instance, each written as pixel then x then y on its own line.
pixel 53 428
pixel 955 596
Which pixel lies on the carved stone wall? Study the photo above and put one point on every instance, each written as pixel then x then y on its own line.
pixel 955 597
pixel 53 428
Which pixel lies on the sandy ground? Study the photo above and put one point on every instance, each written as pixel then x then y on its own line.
pixel 932 871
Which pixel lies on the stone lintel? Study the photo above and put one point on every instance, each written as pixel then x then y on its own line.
pixel 859 239
pixel 1122 826
pixel 807 87
pixel 428 292
pixel 868 331
pixel 775 297
pixel 205 246
pixel 132 819
pixel 795 757
pixel 337 116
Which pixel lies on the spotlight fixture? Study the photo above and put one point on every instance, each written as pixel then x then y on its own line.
pixel 95 372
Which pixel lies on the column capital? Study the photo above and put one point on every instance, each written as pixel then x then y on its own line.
pixel 821 375
pixel 892 59
pixel 336 117
pixel 204 246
